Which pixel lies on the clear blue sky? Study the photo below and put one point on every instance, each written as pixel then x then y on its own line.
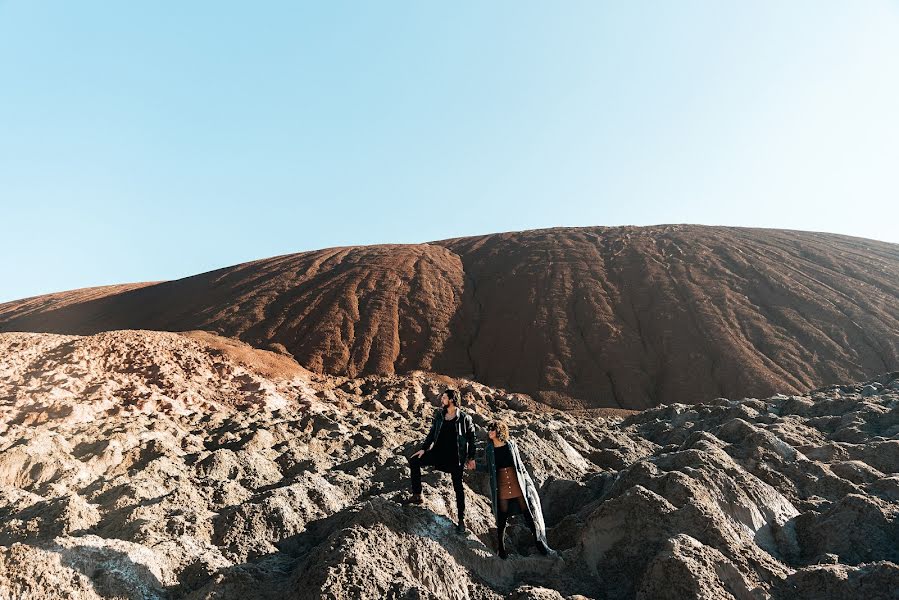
pixel 154 140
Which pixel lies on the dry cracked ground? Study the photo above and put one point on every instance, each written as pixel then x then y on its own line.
pixel 137 464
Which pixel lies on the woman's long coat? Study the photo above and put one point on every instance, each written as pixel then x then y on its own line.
pixel 524 481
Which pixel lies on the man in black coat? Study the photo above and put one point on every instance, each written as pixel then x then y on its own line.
pixel 449 447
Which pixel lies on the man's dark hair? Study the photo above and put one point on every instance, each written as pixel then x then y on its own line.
pixel 453 396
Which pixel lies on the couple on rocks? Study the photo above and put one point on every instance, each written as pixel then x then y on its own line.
pixel 450 447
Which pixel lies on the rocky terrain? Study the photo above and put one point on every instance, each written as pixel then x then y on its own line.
pixel 626 317
pixel 146 464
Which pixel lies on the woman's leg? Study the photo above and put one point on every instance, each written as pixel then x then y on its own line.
pixel 529 521
pixel 526 514
pixel 501 516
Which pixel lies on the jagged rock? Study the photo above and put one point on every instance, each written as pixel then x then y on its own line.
pixel 223 495
pixel 857 528
pixel 254 527
pixel 685 568
pixel 875 581
pixel 30 572
pixel 50 518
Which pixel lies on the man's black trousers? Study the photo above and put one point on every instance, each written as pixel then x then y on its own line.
pixel 427 460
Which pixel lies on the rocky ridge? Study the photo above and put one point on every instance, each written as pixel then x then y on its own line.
pixel 624 317
pixel 140 464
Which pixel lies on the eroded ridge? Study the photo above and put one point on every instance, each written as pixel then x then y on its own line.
pixel 622 317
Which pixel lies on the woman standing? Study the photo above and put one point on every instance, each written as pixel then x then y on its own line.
pixel 511 488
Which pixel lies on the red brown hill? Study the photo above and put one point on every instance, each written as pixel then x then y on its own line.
pixel 589 317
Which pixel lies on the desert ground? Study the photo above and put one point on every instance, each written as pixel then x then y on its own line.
pixel 148 464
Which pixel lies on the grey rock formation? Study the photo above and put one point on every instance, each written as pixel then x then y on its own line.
pixel 146 465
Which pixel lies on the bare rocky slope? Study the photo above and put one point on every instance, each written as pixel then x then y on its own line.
pixel 626 317
pixel 143 465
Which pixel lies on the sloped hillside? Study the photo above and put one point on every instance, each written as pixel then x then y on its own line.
pixel 593 317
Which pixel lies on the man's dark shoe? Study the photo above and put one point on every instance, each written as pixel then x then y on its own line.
pixel 412 499
pixel 460 528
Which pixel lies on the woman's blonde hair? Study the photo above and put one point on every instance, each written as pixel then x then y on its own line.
pixel 501 429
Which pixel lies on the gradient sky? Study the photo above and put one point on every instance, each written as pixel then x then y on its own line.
pixel 154 140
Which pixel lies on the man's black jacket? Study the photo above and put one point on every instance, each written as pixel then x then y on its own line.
pixel 464 433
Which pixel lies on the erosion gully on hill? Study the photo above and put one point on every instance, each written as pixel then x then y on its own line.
pixel 623 317
pixel 143 465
